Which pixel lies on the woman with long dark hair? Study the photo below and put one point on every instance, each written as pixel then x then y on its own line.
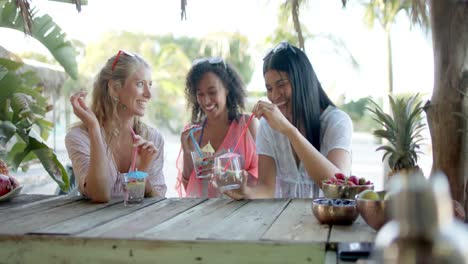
pixel 303 138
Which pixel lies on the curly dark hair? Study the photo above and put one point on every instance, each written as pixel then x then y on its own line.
pixel 231 80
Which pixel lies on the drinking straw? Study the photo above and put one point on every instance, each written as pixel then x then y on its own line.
pixel 134 150
pixel 239 140
pixel 195 143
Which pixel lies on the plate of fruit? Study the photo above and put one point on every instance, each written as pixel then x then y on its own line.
pixel 344 187
pixel 9 186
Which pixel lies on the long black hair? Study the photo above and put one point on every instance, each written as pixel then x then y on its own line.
pixel 308 97
pixel 231 80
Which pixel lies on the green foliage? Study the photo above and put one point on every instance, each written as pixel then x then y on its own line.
pixel 362 121
pixel 45 30
pixel 22 112
pixel 285 29
pixel 402 130
pixel 386 11
pixel 171 59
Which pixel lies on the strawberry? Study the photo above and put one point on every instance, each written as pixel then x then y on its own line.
pixel 5 184
pixel 340 176
pixel 14 182
pixel 354 179
pixel 350 183
pixel 340 182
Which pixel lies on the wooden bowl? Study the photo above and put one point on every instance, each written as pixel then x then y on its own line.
pixel 335 211
pixel 375 213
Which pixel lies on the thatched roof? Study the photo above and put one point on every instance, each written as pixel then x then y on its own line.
pixel 51 77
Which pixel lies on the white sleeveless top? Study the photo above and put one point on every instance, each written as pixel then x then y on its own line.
pixel 294 182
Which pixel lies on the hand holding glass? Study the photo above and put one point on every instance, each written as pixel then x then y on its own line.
pixel 203 164
pixel 227 172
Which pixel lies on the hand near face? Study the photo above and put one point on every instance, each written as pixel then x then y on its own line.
pixel 147 152
pixel 272 115
pixel 81 110
pixel 186 142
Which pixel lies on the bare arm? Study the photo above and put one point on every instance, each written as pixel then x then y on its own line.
pixel 187 147
pixel 266 184
pixel 97 180
pixel 253 128
pixel 318 166
pixel 151 160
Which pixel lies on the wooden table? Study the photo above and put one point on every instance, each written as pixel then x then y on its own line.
pixel 63 229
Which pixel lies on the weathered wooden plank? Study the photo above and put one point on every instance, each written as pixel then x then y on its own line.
pixel 139 221
pixel 330 257
pixel 49 249
pixel 22 199
pixel 27 224
pixel 359 231
pixel 37 206
pixel 297 222
pixel 249 222
pixel 195 222
pixel 94 219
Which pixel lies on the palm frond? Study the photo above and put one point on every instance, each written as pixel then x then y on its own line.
pixel 45 30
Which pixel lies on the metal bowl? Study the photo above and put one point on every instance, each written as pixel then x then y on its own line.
pixel 328 212
pixel 344 191
pixel 375 213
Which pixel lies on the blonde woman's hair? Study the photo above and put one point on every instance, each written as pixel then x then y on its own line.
pixel 104 106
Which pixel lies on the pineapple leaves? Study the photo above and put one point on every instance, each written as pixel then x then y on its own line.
pixel 402 129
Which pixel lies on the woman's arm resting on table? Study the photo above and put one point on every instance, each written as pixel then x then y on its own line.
pixel 317 165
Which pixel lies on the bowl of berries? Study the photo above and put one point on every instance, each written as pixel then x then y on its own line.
pixel 9 185
pixel 341 186
pixel 335 211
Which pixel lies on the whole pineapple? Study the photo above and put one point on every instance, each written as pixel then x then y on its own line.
pixel 402 130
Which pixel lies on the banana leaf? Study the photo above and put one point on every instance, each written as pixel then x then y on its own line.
pixel 48 159
pixel 21 107
pixel 46 31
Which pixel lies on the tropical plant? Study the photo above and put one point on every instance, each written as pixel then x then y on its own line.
pixel 42 28
pixel 385 12
pixel 22 112
pixel 402 130
pixel 22 106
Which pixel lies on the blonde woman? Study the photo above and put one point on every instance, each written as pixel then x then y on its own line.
pixel 101 147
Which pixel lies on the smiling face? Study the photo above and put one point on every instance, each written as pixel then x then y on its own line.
pixel 211 95
pixel 279 91
pixel 136 91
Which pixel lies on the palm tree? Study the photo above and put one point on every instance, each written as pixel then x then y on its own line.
pixel 385 12
pixel 449 21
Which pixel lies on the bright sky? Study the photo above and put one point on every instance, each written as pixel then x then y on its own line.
pixel 412 51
